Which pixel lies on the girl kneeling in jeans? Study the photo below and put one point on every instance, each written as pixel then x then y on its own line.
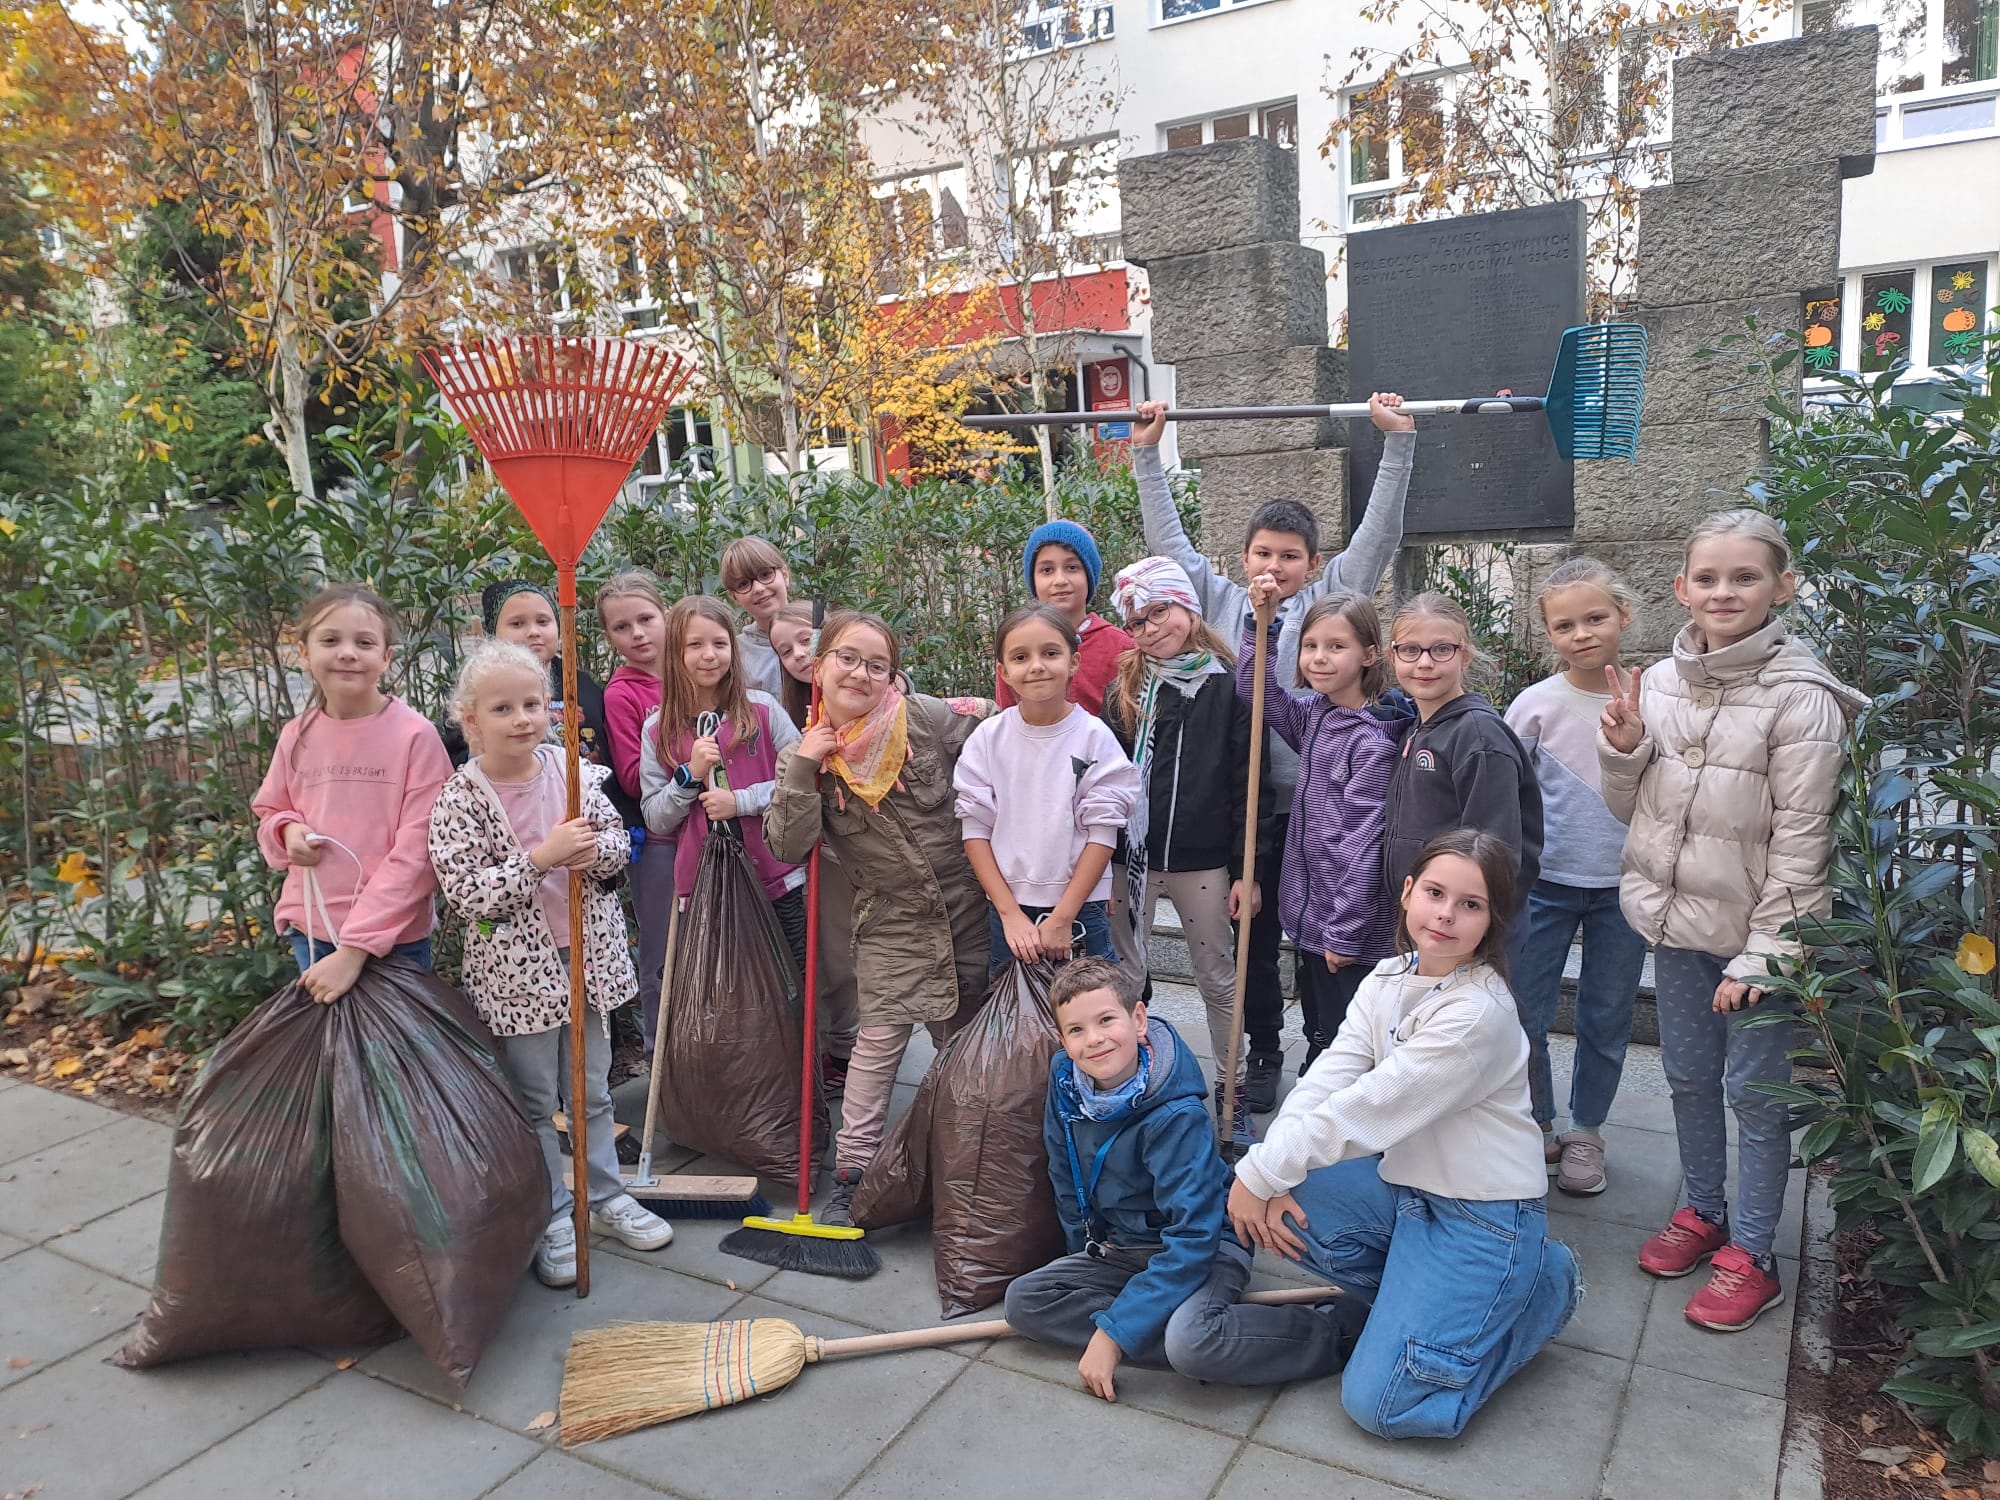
pixel 1407 1166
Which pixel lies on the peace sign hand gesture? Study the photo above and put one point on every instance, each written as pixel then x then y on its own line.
pixel 1623 727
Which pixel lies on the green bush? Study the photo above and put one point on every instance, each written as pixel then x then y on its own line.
pixel 1894 518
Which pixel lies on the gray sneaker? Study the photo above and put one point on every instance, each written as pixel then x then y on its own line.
pixel 839 1212
pixel 1581 1172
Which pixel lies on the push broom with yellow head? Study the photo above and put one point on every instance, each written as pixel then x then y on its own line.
pixel 625 1377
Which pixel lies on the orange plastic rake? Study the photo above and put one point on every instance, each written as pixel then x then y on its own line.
pixel 562 421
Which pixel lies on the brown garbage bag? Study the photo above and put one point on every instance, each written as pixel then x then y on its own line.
pixel 729 1083
pixel 281 1184
pixel 440 1182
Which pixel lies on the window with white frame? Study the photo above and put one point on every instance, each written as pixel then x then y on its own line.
pixel 920 216
pixel 1377 168
pixel 1045 25
pixel 1927 316
pixel 1074 194
pixel 1937 72
pixel 537 271
pixel 1278 122
pixel 1184 10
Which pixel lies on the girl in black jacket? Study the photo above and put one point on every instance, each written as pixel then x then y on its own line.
pixel 1174 708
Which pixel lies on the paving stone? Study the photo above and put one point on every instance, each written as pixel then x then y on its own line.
pixel 353 1436
pixel 520 1374
pixel 84 1178
pixel 1617 1293
pixel 1744 234
pixel 1506 1454
pixel 33 1119
pixel 1643 1112
pixel 1757 1359
pixel 54 1307
pixel 86 1430
pixel 1684 1437
pixel 1685 470
pixel 694 1252
pixel 1220 195
pixel 1724 119
pixel 805 1442
pixel 1644 1181
pixel 906 1284
pixel 1001 1434
pixel 562 1476
pixel 125 1243
pixel 1264 1474
pixel 1260 296
pixel 1234 1410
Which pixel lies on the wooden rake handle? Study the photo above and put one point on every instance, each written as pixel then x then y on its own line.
pixel 1254 789
pixel 818 1350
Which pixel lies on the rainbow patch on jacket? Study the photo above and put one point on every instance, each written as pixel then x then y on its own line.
pixel 1426 760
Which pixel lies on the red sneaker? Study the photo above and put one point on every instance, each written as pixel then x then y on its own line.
pixel 1737 1293
pixel 1687 1240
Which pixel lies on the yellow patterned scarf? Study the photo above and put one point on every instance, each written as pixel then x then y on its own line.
pixel 871 750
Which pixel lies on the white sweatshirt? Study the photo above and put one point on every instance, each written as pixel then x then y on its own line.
pixel 1039 793
pixel 1432 1074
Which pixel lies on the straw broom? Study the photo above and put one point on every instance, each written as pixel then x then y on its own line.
pixel 633 1375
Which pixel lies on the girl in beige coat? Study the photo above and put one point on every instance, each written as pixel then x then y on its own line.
pixel 1725 763
pixel 873 777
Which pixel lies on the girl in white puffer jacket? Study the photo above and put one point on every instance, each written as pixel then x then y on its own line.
pixel 1725 762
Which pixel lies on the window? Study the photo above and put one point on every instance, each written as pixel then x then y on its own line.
pixel 1925 44
pixel 921 217
pixel 1044 25
pixel 1922 316
pixel 1186 10
pixel 1073 191
pixel 1277 122
pixel 1404 136
pixel 538 271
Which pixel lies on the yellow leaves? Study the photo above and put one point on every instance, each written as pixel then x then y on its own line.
pixel 69 1067
pixel 75 871
pixel 8 528
pixel 1975 954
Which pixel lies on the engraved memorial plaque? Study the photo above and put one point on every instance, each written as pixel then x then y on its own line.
pixel 1464 307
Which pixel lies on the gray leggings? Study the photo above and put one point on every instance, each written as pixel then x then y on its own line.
pixel 538 1067
pixel 1710 1061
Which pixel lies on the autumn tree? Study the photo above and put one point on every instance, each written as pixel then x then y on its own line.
pixel 1016 89
pixel 1498 104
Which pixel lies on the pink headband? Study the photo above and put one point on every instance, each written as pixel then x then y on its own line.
pixel 1150 581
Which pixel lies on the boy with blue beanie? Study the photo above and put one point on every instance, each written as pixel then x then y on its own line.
pixel 1153 1275
pixel 1063 566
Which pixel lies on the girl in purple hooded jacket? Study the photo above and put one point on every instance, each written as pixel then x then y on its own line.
pixel 1330 893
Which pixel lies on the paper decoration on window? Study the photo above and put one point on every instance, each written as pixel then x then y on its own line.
pixel 1886 303
pixel 1823 331
pixel 1957 312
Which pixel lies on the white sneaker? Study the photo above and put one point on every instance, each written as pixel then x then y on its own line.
pixel 555 1256
pixel 631 1223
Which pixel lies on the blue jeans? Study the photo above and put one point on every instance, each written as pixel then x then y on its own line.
pixel 1613 955
pixel 1092 933
pixel 418 953
pixel 1464 1294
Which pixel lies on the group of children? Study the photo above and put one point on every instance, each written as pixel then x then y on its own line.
pixel 1432 862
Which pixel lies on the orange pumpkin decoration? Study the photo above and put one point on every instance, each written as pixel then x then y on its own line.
pixel 1818 336
pixel 1960 320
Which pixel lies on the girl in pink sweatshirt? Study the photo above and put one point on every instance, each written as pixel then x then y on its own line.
pixel 349 796
pixel 633 613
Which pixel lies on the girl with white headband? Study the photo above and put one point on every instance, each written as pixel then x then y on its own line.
pixel 1174 708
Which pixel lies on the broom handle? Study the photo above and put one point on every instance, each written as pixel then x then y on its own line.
pixel 1474 406
pixel 1246 915
pixel 809 1065
pixel 644 1176
pixel 579 1007
pixel 1000 1328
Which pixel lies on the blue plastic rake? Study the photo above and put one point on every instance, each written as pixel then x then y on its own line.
pixel 1592 406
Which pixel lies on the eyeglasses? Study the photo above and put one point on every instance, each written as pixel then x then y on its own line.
pixel 849 661
pixel 1153 618
pixel 744 585
pixel 1442 652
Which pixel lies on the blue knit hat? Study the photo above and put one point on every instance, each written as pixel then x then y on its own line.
pixel 1064 534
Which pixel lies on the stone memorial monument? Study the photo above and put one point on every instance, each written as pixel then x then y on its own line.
pixel 1763 137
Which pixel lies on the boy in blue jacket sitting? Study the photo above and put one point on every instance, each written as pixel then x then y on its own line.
pixel 1153 1274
